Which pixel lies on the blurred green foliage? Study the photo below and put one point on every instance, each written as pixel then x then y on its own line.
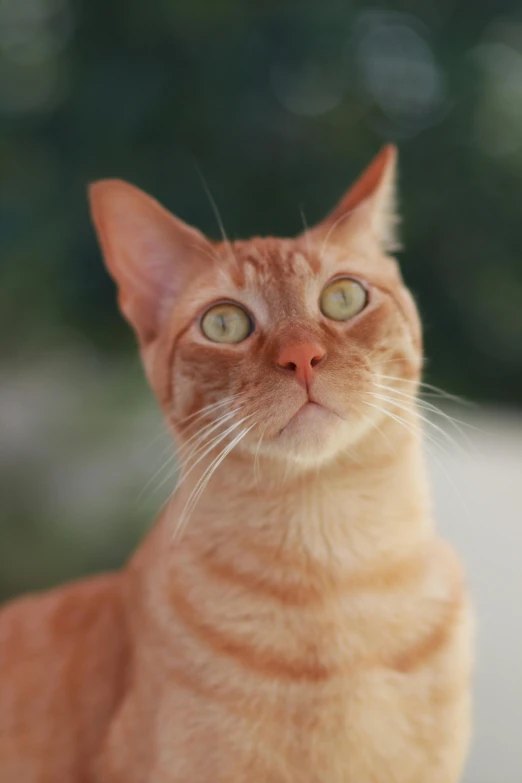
pixel 280 105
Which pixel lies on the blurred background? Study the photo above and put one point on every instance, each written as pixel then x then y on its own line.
pixel 280 106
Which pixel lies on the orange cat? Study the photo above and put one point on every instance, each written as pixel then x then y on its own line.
pixel 293 616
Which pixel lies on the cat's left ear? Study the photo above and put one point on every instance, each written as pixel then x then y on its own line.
pixel 369 206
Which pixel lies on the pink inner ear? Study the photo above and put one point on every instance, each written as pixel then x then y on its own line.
pixel 368 184
pixel 149 252
pixel 370 180
pixel 368 206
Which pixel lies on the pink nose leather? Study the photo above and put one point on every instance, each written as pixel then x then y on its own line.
pixel 301 358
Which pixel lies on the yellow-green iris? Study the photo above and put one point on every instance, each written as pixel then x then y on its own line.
pixel 343 299
pixel 226 323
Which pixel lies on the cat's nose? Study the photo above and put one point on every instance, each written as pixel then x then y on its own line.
pixel 301 358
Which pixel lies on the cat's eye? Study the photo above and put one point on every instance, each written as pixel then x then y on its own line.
pixel 342 299
pixel 226 323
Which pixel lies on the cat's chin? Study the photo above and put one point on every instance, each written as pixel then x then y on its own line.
pixel 311 420
pixel 313 435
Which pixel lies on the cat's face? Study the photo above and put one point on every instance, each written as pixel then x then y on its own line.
pixel 299 377
pixel 278 346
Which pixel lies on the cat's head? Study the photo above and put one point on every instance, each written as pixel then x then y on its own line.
pixel 280 346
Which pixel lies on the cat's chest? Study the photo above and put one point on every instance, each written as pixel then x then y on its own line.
pixel 343 693
pixel 366 727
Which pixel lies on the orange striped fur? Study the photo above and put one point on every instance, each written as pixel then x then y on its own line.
pixel 295 619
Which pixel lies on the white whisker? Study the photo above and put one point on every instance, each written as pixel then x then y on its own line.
pixel 418 434
pixel 204 432
pixel 411 428
pixel 155 475
pixel 208 408
pixel 256 455
pixel 415 430
pixel 423 434
pixel 376 427
pixel 429 407
pixel 306 232
pixel 217 215
pixel 400 404
pixel 203 481
pixel 200 434
pixel 213 443
pixel 332 229
pixel 424 385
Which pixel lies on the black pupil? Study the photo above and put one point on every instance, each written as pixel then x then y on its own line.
pixel 344 299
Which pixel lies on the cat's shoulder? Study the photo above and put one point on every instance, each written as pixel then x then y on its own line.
pixel 43 618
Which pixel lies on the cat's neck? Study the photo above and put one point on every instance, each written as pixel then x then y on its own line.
pixel 341 515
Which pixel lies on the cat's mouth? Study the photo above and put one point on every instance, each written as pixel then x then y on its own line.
pixel 311 415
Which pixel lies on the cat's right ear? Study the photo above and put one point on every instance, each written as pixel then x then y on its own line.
pixel 149 252
pixel 368 207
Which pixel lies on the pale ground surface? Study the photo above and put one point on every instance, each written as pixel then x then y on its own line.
pixel 485 525
pixel 77 448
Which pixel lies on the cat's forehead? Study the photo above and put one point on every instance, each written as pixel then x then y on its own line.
pixel 269 262
pixel 289 264
pixel 277 275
